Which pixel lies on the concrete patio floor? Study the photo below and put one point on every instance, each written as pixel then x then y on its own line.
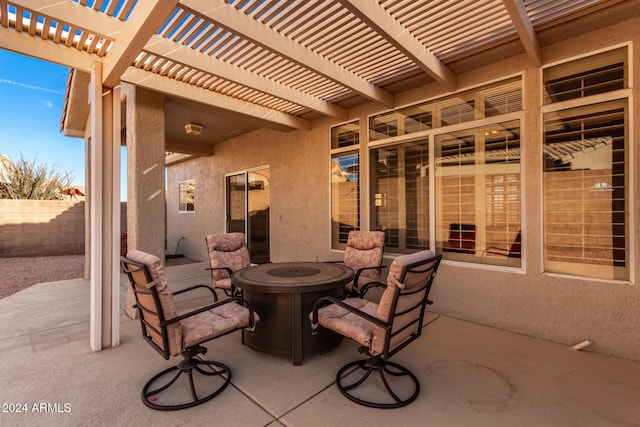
pixel 471 375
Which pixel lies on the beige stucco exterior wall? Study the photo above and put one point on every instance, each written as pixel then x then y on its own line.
pixel 558 308
pixel 145 170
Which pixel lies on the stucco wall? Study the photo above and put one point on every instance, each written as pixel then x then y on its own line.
pixel 558 308
pixel 299 221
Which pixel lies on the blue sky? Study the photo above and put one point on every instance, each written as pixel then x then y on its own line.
pixel 31 100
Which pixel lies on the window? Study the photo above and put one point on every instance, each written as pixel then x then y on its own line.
pixel 400 199
pixel 186 196
pixel 475 173
pixel 586 209
pixel 345 135
pixel 478 197
pixel 488 101
pixel 345 183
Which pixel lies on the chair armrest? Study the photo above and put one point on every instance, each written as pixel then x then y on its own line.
pixel 251 327
pixel 368 286
pixel 191 288
pixel 332 300
pixel 360 270
pixel 227 269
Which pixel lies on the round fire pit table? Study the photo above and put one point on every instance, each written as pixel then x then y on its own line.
pixel 283 295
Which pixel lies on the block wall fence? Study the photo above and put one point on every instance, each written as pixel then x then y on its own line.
pixel 44 227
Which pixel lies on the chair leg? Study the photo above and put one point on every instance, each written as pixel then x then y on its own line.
pixel 395 386
pixel 170 390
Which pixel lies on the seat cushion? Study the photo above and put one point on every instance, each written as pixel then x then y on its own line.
pixel 214 323
pixel 226 250
pixel 348 324
pixel 168 307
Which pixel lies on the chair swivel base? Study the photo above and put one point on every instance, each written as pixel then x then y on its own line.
pixel 197 372
pixel 388 373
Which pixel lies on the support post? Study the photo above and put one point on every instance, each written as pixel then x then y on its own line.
pixel 104 187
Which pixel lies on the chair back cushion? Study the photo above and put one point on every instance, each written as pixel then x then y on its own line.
pixel 402 302
pixel 365 249
pixel 160 283
pixel 227 250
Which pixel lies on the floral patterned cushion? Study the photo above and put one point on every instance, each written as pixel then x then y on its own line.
pixel 405 300
pixel 364 249
pixel 160 282
pixel 215 322
pixel 346 323
pixel 226 250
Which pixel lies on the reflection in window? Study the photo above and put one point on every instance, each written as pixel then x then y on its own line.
pixel 345 135
pixel 345 197
pixel 400 195
pixel 186 196
pixel 585 210
pixel 586 213
pixel 487 101
pixel 478 195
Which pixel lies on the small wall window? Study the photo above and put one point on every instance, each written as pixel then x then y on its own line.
pixel 186 196
pixel 345 182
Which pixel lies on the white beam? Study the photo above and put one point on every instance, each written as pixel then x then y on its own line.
pixel 527 34
pixel 237 22
pixel 58 54
pixel 384 24
pixel 145 19
pixel 116 133
pixel 169 86
pixel 179 53
pixel 69 12
pixel 95 188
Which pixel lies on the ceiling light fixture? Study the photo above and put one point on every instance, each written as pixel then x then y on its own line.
pixel 193 128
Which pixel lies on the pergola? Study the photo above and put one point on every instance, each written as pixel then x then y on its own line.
pixel 266 63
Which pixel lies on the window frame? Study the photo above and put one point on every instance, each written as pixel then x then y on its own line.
pixel 334 152
pixel 180 192
pixel 624 95
pixel 480 93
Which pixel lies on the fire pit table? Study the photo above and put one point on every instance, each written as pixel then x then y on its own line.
pixel 283 295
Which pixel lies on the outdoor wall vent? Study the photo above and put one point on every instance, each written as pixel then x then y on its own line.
pixel 193 128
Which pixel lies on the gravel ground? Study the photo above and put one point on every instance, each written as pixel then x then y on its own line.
pixel 17 274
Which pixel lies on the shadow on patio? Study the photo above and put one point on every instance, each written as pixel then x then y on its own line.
pixel 469 374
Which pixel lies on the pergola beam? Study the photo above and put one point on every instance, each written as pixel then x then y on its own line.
pixel 176 52
pixel 384 24
pixel 145 19
pixel 58 54
pixel 524 27
pixel 187 91
pixel 69 12
pixel 239 23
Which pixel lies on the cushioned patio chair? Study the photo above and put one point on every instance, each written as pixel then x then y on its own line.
pixel 382 329
pixel 170 332
pixel 363 255
pixel 228 253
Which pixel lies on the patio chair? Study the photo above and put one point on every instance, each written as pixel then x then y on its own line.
pixel 228 253
pixel 173 333
pixel 382 329
pixel 363 255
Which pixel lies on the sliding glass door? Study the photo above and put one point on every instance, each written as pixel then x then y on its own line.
pixel 248 202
